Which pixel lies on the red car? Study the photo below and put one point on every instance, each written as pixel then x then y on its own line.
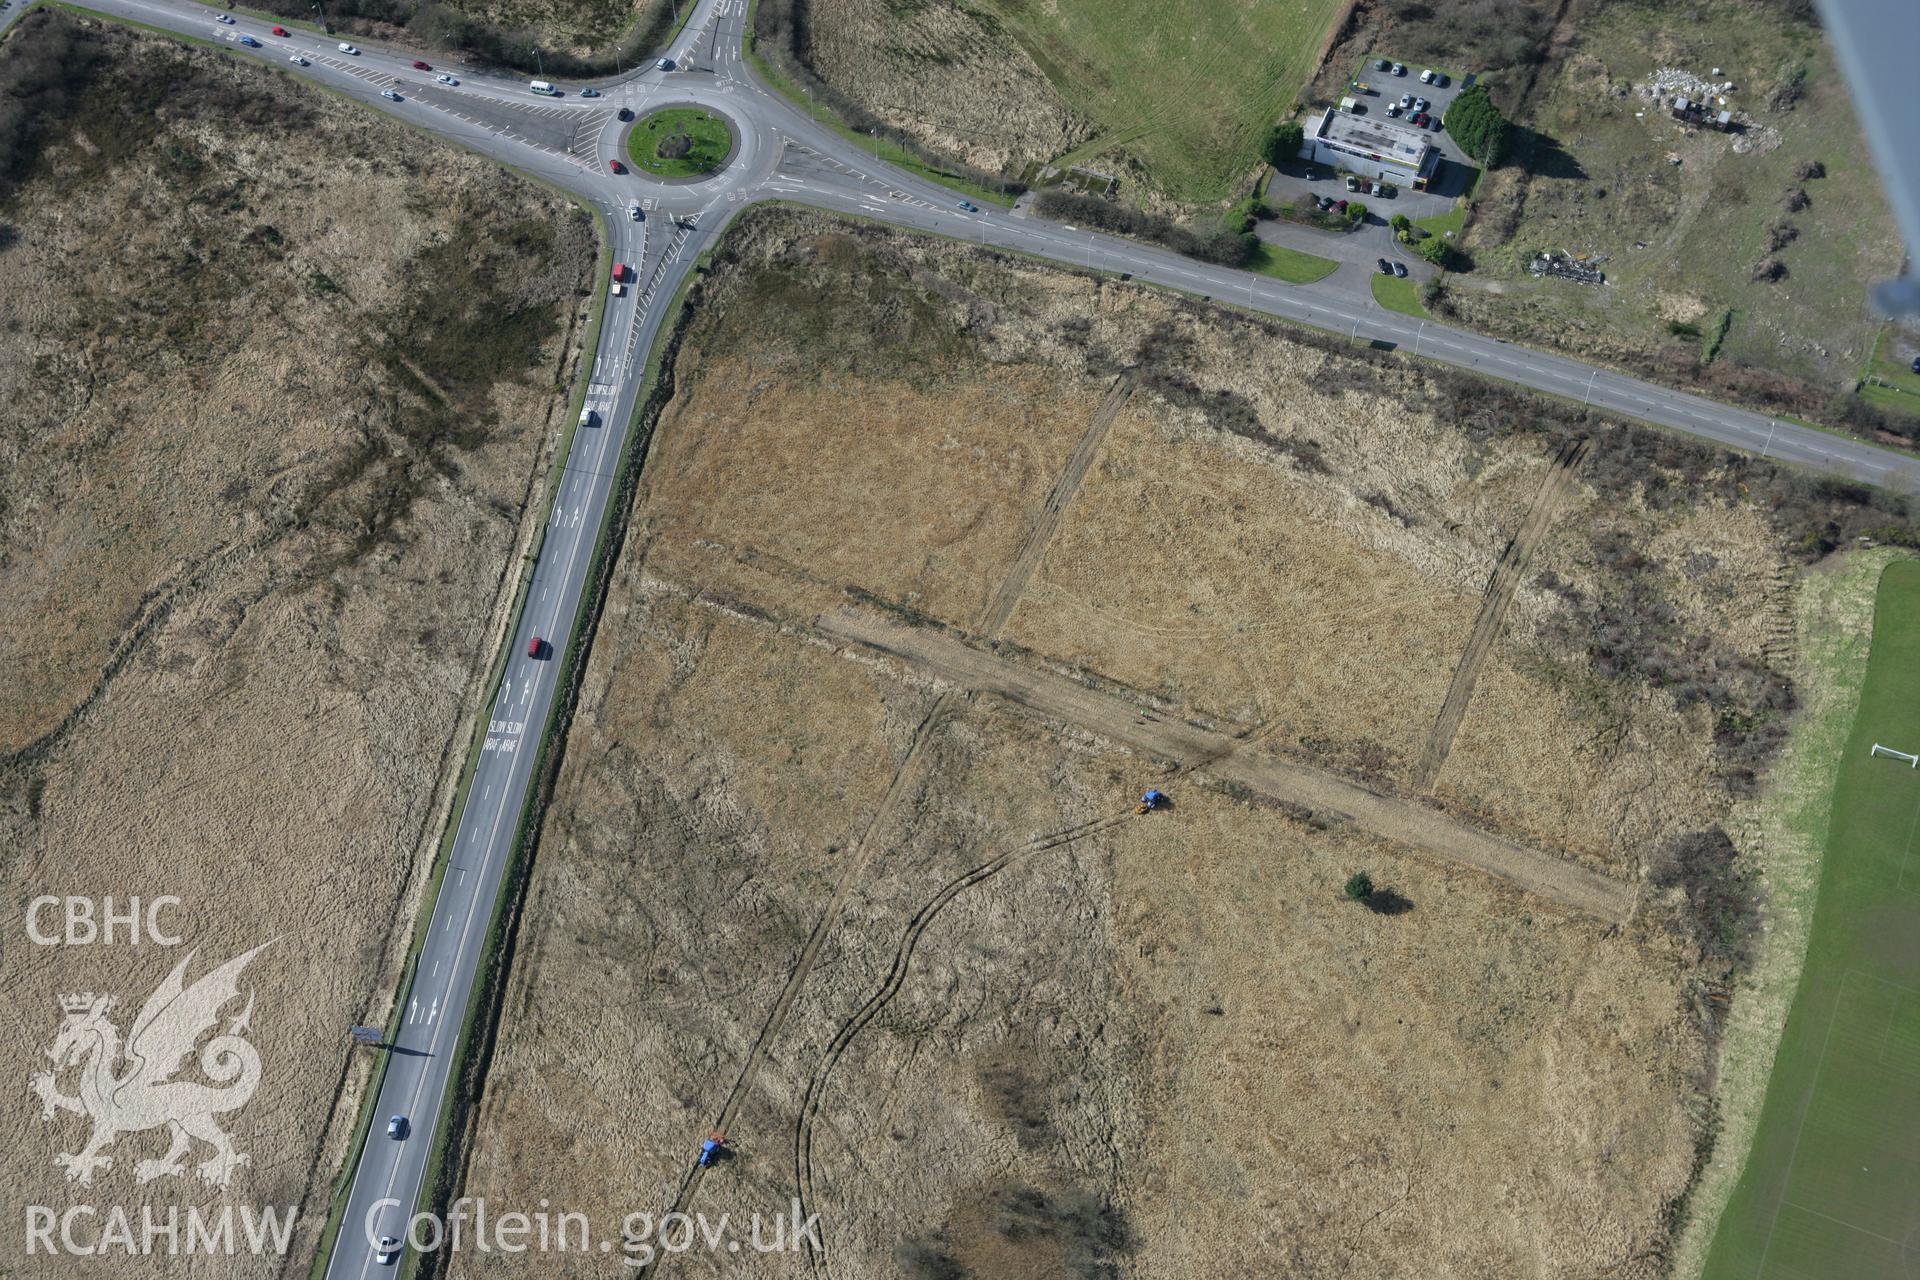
pixel 616 166
pixel 619 273
pixel 420 66
pixel 535 646
pixel 279 31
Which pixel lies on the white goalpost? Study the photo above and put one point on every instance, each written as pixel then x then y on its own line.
pixel 1913 761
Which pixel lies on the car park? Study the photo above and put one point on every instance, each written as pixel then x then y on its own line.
pixel 278 31
pixel 250 42
pixel 390 95
pixel 444 78
pixel 298 61
pixel 665 64
pixel 1399 268
pixel 388 1251
pixel 420 66
pixel 349 50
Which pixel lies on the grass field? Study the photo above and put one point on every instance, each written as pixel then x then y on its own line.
pixel 1397 294
pixel 1291 265
pixel 710 137
pixel 1178 94
pixel 1832 1187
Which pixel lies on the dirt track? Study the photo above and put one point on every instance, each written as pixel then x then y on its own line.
pixel 1402 821
pixel 1493 612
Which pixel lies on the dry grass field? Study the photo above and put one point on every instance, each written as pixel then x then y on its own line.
pixel 1176 97
pixel 936 561
pixel 277 382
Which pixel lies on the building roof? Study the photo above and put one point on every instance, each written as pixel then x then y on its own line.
pixel 1374 138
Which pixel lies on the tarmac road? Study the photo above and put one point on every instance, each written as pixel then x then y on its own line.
pixel 781 154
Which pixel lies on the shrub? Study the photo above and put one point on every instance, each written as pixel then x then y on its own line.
pixel 1356 212
pixel 1359 886
pixel 1477 125
pixel 1681 329
pixel 1283 143
pixel 1436 250
pixel 1228 248
pixel 1400 222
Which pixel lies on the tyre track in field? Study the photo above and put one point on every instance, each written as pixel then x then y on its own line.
pixel 917 924
pixel 1404 820
pixel 999 608
pixel 1493 611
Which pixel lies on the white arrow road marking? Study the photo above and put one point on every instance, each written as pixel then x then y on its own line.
pixel 413 1007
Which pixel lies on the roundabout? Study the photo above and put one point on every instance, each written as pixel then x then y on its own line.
pixel 682 143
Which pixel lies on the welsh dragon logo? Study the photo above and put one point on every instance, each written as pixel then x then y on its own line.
pixel 132 1089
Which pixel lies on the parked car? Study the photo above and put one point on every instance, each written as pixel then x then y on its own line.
pixel 665 64
pixel 1440 80
pixel 1385 189
pixel 298 61
pixel 1421 104
pixel 1426 77
pixel 224 17
pixel 589 93
pixel 390 95
pixel 1419 118
pixel 388 1251
pixel 396 1126
pixel 420 66
pixel 1353 183
pixel 1399 68
pixel 1339 206
pixel 349 50
pixel 279 31
pixel 1386 268
pixel 1399 268
pixel 1406 100
pixel 444 78
pixel 1323 202
pixel 250 42
pixel 1383 65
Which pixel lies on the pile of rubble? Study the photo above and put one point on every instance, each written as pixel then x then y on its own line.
pixel 1556 263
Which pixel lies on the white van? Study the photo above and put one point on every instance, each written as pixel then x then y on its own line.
pixel 544 88
pixel 587 417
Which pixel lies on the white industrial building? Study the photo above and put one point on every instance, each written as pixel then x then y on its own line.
pixel 1373 148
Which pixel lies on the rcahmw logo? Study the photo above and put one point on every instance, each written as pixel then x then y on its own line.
pixel 132 1089
pixel 128 1088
